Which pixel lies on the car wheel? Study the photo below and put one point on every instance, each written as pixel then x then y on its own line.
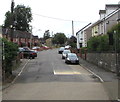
pixel 33 57
pixel 66 62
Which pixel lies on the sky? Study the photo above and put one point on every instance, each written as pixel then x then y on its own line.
pixel 57 15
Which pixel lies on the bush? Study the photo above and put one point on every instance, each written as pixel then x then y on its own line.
pixel 116 36
pixel 9 53
pixel 83 49
pixel 99 44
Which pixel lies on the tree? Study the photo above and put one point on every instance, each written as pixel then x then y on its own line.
pixel 72 41
pixel 20 18
pixel 59 38
pixel 46 35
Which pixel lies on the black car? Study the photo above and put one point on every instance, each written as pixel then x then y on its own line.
pixel 71 58
pixel 61 49
pixel 27 53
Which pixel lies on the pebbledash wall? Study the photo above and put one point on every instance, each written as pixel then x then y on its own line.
pixel 104 60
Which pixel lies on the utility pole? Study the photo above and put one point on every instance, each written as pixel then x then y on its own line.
pixel 12 20
pixel 72 28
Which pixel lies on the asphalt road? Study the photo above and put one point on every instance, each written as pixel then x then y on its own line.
pixel 47 77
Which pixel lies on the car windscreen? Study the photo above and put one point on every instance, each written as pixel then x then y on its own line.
pixel 67 51
pixel 62 48
pixel 72 56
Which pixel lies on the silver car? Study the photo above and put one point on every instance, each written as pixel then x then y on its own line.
pixel 65 52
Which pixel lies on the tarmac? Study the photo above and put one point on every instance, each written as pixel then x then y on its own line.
pixel 109 79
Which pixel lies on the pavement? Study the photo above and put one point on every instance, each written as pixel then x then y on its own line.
pixel 104 75
pixel 109 79
pixel 16 72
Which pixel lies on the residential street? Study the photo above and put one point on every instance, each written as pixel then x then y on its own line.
pixel 47 77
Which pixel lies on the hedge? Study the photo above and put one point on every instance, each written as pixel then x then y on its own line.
pixel 10 51
pixel 101 43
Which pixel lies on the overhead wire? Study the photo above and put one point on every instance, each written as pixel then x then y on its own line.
pixel 59 18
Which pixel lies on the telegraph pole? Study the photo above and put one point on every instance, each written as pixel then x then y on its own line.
pixel 72 28
pixel 12 19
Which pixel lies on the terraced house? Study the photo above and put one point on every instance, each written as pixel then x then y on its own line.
pixel 21 38
pixel 108 18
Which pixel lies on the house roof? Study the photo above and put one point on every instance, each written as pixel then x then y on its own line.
pixel 96 23
pixel 112 5
pixel 16 33
pixel 83 28
pixel 106 17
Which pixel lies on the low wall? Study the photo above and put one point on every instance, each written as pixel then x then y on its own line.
pixel 103 60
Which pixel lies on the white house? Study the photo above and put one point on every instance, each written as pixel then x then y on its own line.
pixel 82 36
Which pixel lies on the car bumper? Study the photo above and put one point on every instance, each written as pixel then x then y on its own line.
pixel 73 61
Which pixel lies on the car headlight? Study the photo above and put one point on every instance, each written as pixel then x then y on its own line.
pixel 68 59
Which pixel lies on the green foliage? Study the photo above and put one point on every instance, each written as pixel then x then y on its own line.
pixel 101 43
pixel 20 18
pixel 7 21
pixel 83 49
pixel 59 38
pixel 10 53
pixel 98 44
pixel 72 41
pixel 115 30
pixel 92 44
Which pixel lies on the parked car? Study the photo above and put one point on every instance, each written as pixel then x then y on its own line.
pixel 61 49
pixel 71 58
pixel 65 52
pixel 27 53
pixel 36 48
pixel 67 47
pixel 21 49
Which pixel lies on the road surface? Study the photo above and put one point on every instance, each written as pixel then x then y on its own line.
pixel 47 77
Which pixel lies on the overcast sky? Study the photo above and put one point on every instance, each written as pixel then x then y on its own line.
pixel 81 12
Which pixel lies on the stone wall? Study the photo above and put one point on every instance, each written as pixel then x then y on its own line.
pixel 104 60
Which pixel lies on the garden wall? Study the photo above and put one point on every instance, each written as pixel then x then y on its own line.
pixel 104 60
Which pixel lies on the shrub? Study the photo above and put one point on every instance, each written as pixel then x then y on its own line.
pixel 10 53
pixel 99 44
pixel 116 36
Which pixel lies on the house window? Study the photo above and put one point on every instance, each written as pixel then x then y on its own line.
pixel 81 38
